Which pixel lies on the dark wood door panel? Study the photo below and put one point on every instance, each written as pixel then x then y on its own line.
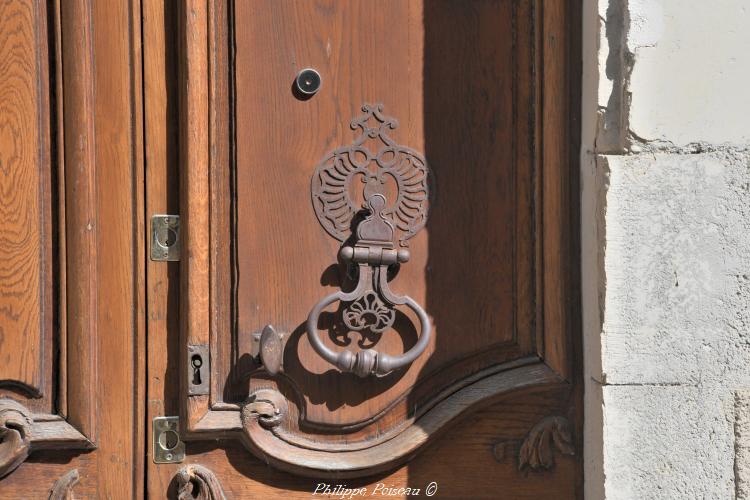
pixel 448 74
pixel 481 90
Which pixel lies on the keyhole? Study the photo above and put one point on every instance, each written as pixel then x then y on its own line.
pixel 167 237
pixel 169 440
pixel 197 362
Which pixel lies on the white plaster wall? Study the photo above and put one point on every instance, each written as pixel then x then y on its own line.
pixel 689 81
pixel 666 248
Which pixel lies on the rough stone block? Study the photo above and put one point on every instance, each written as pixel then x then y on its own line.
pixel 677 267
pixel 671 442
pixel 742 443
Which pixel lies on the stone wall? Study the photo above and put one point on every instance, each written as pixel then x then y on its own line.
pixel 666 248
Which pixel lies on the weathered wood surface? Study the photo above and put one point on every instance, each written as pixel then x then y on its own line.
pixel 198 482
pixel 15 435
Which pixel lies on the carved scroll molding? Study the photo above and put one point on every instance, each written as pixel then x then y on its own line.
pixel 537 450
pixel 63 487
pixel 270 446
pixel 195 481
pixel 21 432
pixel 15 435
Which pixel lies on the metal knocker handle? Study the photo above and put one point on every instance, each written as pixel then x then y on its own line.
pixel 371 305
pixel 369 361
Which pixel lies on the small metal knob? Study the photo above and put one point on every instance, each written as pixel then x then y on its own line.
pixel 308 81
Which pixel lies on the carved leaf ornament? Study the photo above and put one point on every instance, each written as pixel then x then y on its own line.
pixel 537 450
pixel 63 487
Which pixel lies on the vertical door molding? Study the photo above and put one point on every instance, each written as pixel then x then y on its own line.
pixel 194 137
pixel 81 225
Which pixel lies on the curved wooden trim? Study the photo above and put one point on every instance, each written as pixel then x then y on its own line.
pixel 197 482
pixel 15 435
pixel 343 464
pixel 388 433
pixel 63 487
pixel 22 432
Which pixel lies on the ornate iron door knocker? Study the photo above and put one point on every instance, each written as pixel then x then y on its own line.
pixel 371 305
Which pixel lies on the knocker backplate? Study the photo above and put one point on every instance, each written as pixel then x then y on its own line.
pixel 334 184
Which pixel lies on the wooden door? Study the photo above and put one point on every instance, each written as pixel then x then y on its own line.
pixel 376 292
pixel 71 267
pixel 455 120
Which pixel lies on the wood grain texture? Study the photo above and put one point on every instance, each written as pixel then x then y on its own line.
pixel 381 457
pixel 50 432
pixel 395 53
pixel 22 432
pixel 26 267
pixel 15 435
pixel 194 176
pixel 96 116
pixel 162 168
pixel 119 247
pixel 78 142
pixel 34 478
pixel 461 462
pixel 557 169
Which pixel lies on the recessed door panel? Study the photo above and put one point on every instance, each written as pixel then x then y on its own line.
pixel 454 99
pixel 365 259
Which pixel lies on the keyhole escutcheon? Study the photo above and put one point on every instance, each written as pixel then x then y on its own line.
pixel 197 362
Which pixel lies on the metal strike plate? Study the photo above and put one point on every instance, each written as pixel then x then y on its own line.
pixel 165 237
pixel 198 369
pixel 168 448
